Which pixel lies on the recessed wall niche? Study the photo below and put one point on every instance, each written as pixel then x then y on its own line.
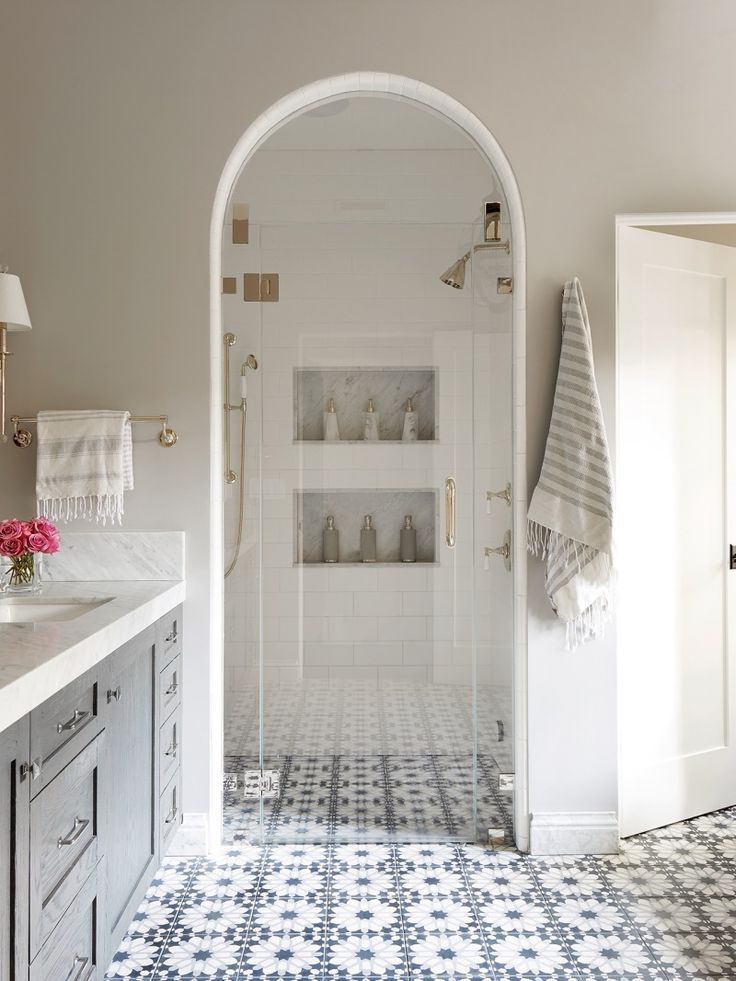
pixel 388 387
pixel 349 508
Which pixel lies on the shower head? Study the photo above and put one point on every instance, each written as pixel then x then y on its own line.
pixel 250 362
pixel 455 275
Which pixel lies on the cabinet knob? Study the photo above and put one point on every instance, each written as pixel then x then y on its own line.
pixel 32 769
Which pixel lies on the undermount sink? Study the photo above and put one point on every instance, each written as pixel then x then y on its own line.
pixel 41 609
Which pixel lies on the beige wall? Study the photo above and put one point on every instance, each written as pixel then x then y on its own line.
pixel 117 120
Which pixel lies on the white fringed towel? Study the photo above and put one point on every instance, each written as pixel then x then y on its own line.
pixel 571 512
pixel 84 464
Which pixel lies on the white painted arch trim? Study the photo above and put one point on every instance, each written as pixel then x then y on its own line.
pixel 317 93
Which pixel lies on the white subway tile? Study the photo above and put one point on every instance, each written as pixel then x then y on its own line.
pixel 377 604
pixel 328 654
pixel 402 628
pixel 316 629
pixel 328 604
pixel 379 653
pixel 353 629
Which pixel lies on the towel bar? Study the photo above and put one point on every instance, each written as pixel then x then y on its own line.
pixel 167 437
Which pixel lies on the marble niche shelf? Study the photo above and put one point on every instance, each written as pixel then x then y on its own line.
pixel 389 387
pixel 349 507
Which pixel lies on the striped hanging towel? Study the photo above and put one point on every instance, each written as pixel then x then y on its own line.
pixel 84 464
pixel 570 520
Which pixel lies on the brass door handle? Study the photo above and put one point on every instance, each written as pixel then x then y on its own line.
pixel 450 512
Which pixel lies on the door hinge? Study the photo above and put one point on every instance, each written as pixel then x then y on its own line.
pixel 261 287
pixel 506 783
pixel 261 783
pixel 732 556
pixel 504 284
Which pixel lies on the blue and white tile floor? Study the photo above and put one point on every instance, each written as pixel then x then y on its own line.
pixel 664 908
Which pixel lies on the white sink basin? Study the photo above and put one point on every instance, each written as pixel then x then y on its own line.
pixel 38 609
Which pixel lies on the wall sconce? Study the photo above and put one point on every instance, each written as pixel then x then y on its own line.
pixel 13 316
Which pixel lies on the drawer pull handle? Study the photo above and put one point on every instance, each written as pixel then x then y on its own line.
pixel 114 694
pixel 171 751
pixel 171 817
pixel 73 723
pixel 171 637
pixel 173 688
pixel 82 962
pixel 80 824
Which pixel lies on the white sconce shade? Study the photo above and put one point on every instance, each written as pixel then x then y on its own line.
pixel 13 309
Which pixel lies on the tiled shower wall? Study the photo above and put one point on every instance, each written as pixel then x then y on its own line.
pixel 359 240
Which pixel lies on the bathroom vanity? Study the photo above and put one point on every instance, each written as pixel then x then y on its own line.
pixel 89 775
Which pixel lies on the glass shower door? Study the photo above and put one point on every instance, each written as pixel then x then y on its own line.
pixel 367 700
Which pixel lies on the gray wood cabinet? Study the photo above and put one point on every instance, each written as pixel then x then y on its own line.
pixel 14 849
pixel 89 802
pixel 128 779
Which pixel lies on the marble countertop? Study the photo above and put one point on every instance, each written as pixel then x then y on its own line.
pixel 39 659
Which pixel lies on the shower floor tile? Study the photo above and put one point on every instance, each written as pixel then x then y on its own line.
pixel 353 798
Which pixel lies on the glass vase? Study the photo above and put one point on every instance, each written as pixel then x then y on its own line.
pixel 21 574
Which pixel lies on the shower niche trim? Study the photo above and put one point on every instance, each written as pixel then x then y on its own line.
pixel 349 507
pixel 388 387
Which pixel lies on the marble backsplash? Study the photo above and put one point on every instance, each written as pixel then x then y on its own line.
pixel 349 507
pixel 117 556
pixel 352 387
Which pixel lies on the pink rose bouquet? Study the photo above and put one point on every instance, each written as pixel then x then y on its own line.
pixel 20 541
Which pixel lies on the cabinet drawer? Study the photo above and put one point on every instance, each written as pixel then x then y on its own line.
pixel 168 636
pixel 170 815
pixel 168 752
pixel 70 953
pixel 169 688
pixel 61 726
pixel 64 843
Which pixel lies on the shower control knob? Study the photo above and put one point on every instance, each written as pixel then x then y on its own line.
pixel 503 550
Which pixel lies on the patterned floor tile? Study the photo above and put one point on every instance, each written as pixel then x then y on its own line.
pixel 664 908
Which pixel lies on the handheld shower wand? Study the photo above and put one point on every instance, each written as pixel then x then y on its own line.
pixel 230 475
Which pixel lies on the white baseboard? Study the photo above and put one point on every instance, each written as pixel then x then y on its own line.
pixel 574 833
pixel 192 837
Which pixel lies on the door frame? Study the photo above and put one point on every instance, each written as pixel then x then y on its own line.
pixel 277 115
pixel 637 220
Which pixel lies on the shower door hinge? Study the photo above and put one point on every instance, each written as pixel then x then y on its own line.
pixel 261 287
pixel 261 783
pixel 504 284
pixel 506 783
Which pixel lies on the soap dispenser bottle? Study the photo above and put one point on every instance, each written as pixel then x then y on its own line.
pixel 411 423
pixel 370 423
pixel 408 543
pixel 331 429
pixel 368 540
pixel 330 541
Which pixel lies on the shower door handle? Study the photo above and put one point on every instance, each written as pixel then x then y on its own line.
pixel 450 512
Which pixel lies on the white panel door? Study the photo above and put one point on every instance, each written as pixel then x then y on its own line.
pixel 675 484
